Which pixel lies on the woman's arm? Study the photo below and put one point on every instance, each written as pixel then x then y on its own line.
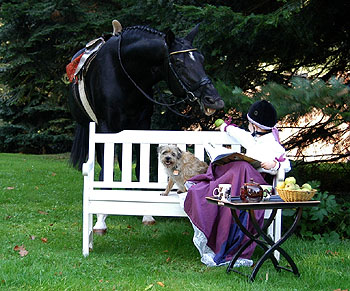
pixel 240 136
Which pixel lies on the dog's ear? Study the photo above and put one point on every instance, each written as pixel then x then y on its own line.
pixel 179 153
pixel 160 148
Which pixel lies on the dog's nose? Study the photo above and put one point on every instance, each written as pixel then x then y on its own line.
pixel 167 158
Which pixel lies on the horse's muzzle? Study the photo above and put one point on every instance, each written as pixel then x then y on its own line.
pixel 210 104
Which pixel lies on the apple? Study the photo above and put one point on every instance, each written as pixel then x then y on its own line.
pixel 289 186
pixel 290 180
pixel 218 122
pixel 306 186
pixel 280 185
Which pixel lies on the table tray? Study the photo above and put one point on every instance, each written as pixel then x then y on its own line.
pixel 274 202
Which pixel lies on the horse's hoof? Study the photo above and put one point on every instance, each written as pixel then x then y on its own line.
pixel 149 222
pixel 100 231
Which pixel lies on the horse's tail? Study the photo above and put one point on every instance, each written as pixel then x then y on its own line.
pixel 80 147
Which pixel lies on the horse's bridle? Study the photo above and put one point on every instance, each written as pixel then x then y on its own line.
pixel 188 89
pixel 189 92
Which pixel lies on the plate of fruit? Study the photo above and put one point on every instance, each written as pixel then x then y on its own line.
pixel 290 191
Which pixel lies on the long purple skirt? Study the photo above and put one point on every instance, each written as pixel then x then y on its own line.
pixel 216 222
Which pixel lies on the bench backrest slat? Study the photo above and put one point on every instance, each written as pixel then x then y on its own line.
pixel 108 161
pixel 145 150
pixel 127 162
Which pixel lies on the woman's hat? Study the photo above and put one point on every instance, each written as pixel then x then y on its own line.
pixel 263 114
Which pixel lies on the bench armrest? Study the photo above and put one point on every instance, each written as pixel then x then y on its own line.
pixel 280 175
pixel 87 167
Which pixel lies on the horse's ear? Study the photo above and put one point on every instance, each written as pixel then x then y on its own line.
pixel 190 37
pixel 169 37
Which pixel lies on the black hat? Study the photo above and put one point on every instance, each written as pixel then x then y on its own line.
pixel 262 114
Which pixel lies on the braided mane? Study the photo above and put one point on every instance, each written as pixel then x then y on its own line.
pixel 144 29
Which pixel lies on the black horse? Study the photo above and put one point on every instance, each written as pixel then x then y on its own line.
pixel 118 83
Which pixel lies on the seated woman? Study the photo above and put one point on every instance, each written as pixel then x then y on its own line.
pixel 216 235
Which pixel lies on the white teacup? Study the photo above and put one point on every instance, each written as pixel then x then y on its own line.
pixel 223 192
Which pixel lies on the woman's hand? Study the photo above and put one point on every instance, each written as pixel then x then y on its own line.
pixel 268 165
pixel 222 127
pixel 218 123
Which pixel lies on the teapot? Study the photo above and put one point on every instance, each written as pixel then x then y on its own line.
pixel 251 192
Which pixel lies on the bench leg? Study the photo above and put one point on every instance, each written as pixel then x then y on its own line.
pixel 148 220
pixel 100 227
pixel 87 234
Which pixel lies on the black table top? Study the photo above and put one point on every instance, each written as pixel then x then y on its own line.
pixel 274 202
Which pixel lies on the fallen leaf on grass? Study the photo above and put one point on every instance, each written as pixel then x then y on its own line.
pixel 328 252
pixel 10 188
pixel 53 174
pixel 43 212
pixel 17 248
pixel 168 259
pixel 23 253
pixel 21 250
pixel 44 239
pixel 161 284
pixel 32 237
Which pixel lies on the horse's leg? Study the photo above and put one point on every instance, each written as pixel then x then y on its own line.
pixel 100 226
pixel 148 220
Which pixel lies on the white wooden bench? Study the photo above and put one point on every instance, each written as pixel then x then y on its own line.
pixel 127 197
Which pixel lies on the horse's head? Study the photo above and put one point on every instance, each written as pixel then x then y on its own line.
pixel 186 75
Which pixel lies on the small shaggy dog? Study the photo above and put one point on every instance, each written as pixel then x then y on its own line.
pixel 180 166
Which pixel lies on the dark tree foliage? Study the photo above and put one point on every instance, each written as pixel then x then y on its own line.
pixel 253 50
pixel 38 38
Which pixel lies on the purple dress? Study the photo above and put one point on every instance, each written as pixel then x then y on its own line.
pixel 216 222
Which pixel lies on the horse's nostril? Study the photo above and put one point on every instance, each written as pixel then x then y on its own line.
pixel 213 102
pixel 209 100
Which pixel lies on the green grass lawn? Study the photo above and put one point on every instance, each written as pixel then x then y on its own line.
pixel 41 210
